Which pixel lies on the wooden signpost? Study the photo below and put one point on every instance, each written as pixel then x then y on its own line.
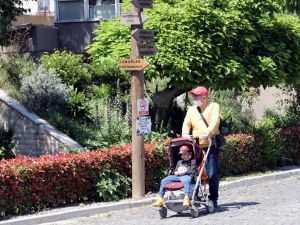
pixel 142 3
pixel 141 124
pixel 133 64
pixel 133 18
pixel 144 50
pixel 143 35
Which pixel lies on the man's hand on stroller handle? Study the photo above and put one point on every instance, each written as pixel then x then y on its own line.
pixel 202 137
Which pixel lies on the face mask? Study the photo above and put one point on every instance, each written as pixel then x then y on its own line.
pixel 198 102
pixel 188 158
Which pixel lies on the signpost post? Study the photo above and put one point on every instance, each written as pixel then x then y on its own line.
pixel 141 122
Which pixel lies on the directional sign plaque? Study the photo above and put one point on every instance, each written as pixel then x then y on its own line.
pixel 133 18
pixel 132 64
pixel 144 50
pixel 143 35
pixel 142 3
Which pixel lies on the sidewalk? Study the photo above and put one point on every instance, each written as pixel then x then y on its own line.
pixel 104 207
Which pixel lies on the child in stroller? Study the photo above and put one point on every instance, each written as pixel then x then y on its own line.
pixel 184 172
pixel 187 152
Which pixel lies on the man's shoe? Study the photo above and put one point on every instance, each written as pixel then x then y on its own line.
pixel 159 202
pixel 186 201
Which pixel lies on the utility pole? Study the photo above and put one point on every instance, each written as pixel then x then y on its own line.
pixel 137 92
pixel 136 64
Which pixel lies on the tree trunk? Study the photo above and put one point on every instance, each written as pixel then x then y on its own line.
pixel 162 101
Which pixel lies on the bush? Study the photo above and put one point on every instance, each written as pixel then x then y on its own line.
pixel 112 185
pixel 291 105
pixel 77 130
pixel 6 142
pixel 44 92
pixel 291 150
pixel 11 70
pixel 30 184
pixel 242 154
pixel 112 125
pixel 79 106
pixel 233 115
pixel 69 67
pixel 272 145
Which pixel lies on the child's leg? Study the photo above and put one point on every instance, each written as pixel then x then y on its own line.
pixel 186 180
pixel 165 181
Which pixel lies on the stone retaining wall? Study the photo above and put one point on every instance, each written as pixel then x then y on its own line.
pixel 33 135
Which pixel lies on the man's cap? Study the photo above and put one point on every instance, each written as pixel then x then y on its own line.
pixel 201 90
pixel 184 149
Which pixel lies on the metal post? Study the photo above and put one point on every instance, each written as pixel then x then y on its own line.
pixel 138 152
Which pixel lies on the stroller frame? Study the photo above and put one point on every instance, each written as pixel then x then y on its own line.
pixel 199 196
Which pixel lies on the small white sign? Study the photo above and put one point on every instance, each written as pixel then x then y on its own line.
pixel 143 125
pixel 142 107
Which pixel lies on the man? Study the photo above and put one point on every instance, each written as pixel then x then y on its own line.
pixel 194 124
pixel 184 172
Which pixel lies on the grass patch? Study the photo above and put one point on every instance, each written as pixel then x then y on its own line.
pixel 251 174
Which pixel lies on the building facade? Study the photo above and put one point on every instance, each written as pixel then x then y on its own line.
pixel 61 24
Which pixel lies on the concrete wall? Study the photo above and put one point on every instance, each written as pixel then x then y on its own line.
pixel 45 39
pixel 32 7
pixel 75 36
pixel 268 98
pixel 33 135
pixel 35 20
pixel 38 39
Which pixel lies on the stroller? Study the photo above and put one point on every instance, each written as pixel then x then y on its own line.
pixel 199 192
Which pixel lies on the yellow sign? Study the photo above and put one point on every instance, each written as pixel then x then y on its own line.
pixel 133 64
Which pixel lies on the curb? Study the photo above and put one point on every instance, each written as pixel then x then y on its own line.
pixel 259 179
pixel 105 208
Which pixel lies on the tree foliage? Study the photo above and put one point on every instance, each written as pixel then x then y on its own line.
pixel 224 44
pixel 9 9
pixel 292 6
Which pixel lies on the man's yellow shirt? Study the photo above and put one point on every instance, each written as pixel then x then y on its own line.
pixel 194 123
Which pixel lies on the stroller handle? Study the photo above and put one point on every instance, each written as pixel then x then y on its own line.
pixel 197 139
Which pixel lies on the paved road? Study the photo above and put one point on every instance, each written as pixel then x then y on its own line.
pixel 273 202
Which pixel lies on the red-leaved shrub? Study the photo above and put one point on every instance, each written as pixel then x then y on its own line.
pixel 291 137
pixel 28 184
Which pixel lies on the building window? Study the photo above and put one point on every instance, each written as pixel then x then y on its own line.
pixel 43 6
pixel 102 9
pixel 72 10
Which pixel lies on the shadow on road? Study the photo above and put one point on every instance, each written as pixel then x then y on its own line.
pixel 234 205
pixel 221 208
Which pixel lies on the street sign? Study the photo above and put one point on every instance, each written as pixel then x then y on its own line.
pixel 132 64
pixel 144 50
pixel 133 18
pixel 143 125
pixel 143 35
pixel 143 107
pixel 142 3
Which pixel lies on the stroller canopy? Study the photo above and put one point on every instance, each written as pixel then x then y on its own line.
pixel 174 147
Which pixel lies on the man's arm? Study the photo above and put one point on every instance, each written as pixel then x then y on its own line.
pixel 215 120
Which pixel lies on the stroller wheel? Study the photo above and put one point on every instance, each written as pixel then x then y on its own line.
pixel 162 212
pixel 210 206
pixel 194 212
